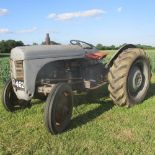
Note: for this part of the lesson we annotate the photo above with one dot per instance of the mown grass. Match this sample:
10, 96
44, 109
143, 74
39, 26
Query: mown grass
97, 127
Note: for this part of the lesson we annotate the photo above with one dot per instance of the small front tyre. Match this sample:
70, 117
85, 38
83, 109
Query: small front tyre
10, 100
58, 109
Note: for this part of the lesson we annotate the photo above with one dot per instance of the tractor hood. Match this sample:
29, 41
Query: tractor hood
49, 51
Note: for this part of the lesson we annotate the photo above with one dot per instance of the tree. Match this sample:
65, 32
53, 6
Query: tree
6, 46
99, 46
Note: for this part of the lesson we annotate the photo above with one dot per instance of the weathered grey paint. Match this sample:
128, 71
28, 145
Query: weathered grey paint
35, 57
49, 51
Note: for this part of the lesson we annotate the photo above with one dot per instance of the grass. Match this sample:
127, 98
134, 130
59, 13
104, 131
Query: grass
97, 127
4, 69
151, 53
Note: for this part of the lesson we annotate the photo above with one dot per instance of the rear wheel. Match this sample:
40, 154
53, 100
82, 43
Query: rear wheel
129, 77
58, 109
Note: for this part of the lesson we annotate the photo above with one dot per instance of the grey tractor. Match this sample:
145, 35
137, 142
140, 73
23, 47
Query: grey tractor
57, 72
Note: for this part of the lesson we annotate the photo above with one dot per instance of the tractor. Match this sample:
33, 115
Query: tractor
57, 72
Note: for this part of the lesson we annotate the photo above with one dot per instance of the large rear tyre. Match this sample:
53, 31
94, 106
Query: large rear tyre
58, 109
10, 100
129, 77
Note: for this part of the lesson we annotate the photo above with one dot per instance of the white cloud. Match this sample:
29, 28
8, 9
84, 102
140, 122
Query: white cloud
52, 15
119, 9
3, 12
4, 31
33, 29
71, 15
7, 31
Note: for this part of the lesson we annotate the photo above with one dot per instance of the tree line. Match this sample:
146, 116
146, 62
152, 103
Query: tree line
7, 45
113, 47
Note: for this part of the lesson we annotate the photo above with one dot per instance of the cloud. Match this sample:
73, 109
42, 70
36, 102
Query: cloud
7, 31
52, 15
72, 15
30, 30
3, 12
119, 9
4, 31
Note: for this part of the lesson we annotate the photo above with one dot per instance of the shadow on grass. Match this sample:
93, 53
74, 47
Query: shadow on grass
90, 115
25, 105
92, 97
105, 105
151, 91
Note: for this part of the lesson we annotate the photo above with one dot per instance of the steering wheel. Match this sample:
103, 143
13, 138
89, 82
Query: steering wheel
81, 44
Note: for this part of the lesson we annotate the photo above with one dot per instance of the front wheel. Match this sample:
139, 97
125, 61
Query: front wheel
129, 77
58, 109
10, 100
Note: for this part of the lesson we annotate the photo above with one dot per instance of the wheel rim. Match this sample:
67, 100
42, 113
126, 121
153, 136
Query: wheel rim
63, 109
138, 79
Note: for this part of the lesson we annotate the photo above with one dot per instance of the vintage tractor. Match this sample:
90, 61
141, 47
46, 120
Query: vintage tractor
59, 71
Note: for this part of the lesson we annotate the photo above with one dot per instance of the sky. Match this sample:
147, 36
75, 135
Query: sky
95, 21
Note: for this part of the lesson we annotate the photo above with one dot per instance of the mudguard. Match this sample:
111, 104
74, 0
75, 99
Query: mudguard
108, 65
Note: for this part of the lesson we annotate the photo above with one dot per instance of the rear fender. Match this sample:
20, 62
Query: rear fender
108, 65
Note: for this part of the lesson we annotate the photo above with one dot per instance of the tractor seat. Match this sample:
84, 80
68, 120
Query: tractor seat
97, 55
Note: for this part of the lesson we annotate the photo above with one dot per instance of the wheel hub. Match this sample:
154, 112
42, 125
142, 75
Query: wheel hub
135, 79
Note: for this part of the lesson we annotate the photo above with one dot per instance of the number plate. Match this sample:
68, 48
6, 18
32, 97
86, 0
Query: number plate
18, 84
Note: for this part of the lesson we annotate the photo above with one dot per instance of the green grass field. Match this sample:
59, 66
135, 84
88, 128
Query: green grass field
97, 127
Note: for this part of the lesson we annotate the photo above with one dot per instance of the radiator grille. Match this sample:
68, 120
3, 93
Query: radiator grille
19, 70
16, 68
